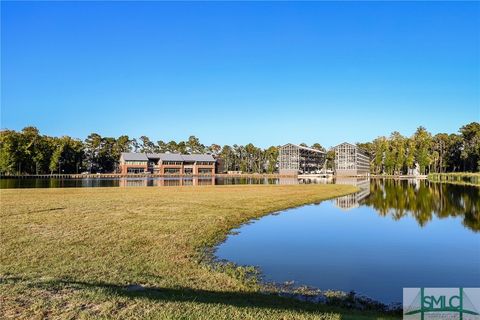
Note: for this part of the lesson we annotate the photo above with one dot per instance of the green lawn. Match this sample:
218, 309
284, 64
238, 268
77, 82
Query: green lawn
72, 253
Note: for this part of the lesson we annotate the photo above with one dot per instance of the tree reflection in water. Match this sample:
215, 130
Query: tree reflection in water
422, 199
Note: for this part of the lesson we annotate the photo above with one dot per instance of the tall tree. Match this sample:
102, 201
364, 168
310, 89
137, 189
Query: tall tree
318, 146
471, 146
330, 159
399, 150
92, 146
423, 143
67, 156
10, 152
214, 149
122, 144
172, 147
146, 146
193, 145
107, 155
440, 146
454, 153
162, 146
389, 157
271, 156
379, 148
411, 152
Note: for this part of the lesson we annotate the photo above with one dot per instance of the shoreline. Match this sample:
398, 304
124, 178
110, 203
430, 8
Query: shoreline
218, 175
300, 292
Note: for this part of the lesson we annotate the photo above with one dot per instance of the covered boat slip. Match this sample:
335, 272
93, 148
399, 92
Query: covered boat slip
295, 159
350, 160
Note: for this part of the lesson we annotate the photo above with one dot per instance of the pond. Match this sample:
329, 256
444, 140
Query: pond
392, 234
6, 183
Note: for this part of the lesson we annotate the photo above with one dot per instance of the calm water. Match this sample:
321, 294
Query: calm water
148, 182
392, 234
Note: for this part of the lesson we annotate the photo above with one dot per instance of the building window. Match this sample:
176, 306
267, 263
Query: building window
143, 163
174, 163
204, 171
172, 170
135, 170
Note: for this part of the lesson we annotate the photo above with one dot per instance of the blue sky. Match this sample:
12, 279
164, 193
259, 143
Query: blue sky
238, 72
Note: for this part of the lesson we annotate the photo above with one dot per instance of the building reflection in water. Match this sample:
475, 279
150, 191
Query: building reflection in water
210, 180
300, 180
352, 200
167, 182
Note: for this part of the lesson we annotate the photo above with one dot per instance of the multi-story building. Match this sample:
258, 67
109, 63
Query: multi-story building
350, 160
167, 163
294, 160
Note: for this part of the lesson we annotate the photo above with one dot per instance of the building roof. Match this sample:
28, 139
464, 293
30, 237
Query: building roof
197, 157
304, 148
153, 155
351, 144
168, 156
133, 156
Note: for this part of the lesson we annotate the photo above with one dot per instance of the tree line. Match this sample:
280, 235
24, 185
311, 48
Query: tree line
438, 153
29, 152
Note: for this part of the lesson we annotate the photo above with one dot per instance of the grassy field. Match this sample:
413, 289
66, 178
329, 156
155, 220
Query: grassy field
78, 253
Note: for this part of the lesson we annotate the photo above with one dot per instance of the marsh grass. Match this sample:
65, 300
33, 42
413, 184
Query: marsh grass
139, 253
462, 178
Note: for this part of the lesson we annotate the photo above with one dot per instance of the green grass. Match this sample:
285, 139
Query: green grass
72, 253
464, 178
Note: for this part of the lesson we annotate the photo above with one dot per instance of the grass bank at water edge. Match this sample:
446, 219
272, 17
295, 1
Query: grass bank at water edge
468, 178
134, 253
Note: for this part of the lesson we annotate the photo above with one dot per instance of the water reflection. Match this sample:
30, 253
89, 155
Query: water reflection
396, 234
353, 200
423, 200
167, 182
420, 199
152, 182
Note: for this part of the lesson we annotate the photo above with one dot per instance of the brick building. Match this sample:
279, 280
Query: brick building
167, 163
